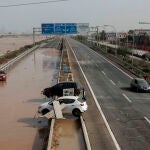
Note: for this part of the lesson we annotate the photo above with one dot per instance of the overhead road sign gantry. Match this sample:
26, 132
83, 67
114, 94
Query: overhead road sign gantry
59, 28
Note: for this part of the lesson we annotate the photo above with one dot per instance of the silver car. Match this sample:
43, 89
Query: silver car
140, 85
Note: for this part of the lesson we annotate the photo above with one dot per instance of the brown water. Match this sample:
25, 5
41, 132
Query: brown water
20, 96
68, 135
11, 43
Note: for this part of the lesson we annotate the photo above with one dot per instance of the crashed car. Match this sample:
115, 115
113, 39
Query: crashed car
58, 89
2, 75
72, 105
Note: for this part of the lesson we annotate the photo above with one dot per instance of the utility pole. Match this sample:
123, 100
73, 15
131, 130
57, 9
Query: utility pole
34, 31
115, 37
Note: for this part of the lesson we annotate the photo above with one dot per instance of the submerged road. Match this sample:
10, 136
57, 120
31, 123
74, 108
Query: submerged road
127, 112
20, 96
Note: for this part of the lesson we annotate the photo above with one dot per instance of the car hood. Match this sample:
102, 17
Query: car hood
146, 87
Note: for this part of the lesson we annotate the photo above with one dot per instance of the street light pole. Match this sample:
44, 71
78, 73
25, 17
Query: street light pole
115, 38
35, 30
98, 34
132, 47
94, 29
98, 30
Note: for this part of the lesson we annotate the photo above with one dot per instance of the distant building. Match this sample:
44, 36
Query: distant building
141, 31
111, 36
142, 39
122, 35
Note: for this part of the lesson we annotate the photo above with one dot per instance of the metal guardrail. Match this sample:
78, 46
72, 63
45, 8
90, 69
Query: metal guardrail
16, 59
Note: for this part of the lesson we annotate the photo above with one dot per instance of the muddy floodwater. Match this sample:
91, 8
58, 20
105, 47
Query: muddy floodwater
68, 135
20, 95
14, 42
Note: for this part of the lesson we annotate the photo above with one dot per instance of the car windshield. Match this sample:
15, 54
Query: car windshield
81, 100
142, 82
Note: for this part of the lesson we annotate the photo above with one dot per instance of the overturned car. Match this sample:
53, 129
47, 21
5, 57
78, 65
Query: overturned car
58, 89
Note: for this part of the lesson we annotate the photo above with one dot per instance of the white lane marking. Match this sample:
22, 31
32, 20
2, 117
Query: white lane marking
97, 104
112, 64
104, 73
147, 119
97, 65
127, 98
112, 82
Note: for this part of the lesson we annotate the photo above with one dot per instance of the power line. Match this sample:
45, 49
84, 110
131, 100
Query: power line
33, 3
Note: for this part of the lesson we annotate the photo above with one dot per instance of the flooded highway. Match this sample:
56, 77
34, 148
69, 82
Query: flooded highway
20, 96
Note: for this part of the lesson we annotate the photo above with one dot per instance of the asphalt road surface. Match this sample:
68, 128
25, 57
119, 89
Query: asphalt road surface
127, 112
20, 96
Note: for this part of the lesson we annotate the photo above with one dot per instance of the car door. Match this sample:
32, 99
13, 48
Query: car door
136, 84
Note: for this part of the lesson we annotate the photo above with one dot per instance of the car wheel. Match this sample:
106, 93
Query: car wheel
45, 111
76, 112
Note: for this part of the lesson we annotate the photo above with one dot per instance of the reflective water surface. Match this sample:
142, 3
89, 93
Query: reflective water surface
20, 96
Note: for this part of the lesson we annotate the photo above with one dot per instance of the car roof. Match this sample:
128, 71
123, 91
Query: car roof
139, 79
68, 97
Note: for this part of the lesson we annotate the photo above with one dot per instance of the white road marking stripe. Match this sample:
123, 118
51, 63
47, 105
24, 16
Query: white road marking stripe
147, 119
104, 73
127, 98
97, 65
112, 64
112, 82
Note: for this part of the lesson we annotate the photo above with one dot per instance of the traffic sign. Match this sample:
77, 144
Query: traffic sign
71, 28
59, 28
47, 28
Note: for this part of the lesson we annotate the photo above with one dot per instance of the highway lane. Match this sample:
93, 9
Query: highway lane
124, 110
21, 95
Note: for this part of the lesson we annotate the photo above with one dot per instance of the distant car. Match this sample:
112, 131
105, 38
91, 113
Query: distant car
57, 90
72, 105
140, 85
2, 75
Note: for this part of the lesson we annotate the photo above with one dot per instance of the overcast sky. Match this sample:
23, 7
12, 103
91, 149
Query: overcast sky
123, 14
